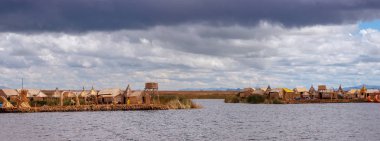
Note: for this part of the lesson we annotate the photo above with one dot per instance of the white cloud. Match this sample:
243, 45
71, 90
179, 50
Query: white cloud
193, 56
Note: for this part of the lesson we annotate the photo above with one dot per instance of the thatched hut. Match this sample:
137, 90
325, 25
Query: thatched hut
325, 93
90, 97
9, 94
260, 91
112, 95
372, 92
246, 92
313, 93
288, 94
363, 92
135, 97
276, 93
351, 94
267, 91
301, 93
328, 94
36, 95
56, 93
68, 94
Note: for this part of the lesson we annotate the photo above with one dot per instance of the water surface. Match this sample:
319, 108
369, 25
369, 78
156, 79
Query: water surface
216, 121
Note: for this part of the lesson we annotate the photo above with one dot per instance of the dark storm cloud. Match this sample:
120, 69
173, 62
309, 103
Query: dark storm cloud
88, 15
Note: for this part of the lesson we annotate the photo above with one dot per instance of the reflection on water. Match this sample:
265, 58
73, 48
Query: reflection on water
216, 121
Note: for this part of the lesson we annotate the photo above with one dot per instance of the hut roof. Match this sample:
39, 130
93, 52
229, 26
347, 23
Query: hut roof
263, 88
363, 89
340, 88
249, 89
56, 94
259, 91
34, 93
353, 91
136, 93
311, 89
68, 94
300, 89
84, 93
111, 92
322, 87
92, 92
276, 90
370, 91
287, 90
9, 92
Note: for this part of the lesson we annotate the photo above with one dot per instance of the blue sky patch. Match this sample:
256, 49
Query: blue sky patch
370, 24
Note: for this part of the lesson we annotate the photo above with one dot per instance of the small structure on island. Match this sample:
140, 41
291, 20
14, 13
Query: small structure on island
313, 93
135, 97
151, 89
372, 92
301, 92
267, 91
351, 94
36, 95
260, 91
288, 94
246, 92
325, 93
10, 94
108, 96
56, 94
67, 95
92, 96
276, 93
322, 90
363, 92
5, 103
340, 92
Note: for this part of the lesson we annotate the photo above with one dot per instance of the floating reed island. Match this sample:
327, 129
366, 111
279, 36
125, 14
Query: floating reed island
32, 100
302, 95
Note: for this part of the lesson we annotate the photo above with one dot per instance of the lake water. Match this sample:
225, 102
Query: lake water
215, 121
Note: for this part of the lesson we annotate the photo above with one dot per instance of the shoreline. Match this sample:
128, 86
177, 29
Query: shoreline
322, 101
81, 108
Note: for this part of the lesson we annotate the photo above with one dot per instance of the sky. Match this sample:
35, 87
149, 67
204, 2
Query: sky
189, 44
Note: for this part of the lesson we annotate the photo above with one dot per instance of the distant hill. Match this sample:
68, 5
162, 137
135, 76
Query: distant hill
211, 89
360, 86
3, 87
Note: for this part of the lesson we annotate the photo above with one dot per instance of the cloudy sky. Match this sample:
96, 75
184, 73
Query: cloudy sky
189, 43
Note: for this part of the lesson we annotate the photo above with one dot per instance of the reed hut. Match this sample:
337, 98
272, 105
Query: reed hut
351, 94
135, 97
56, 94
10, 94
260, 91
91, 96
372, 92
36, 95
246, 92
108, 96
276, 93
363, 92
313, 93
267, 91
288, 94
340, 92
301, 93
325, 93
68, 94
